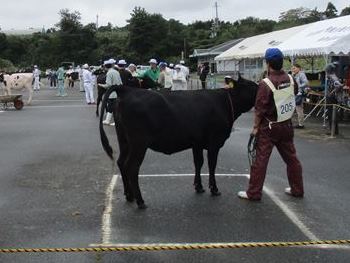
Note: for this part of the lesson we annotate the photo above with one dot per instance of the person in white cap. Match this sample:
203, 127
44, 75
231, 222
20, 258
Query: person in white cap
229, 83
179, 79
125, 75
36, 76
88, 85
152, 73
132, 70
112, 78
166, 76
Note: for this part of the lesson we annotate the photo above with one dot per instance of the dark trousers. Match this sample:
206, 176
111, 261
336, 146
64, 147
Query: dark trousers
204, 84
111, 105
332, 100
52, 82
280, 135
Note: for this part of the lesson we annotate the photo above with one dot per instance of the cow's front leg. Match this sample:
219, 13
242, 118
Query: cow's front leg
198, 163
212, 161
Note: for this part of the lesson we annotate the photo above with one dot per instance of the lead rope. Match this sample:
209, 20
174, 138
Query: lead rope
252, 149
231, 104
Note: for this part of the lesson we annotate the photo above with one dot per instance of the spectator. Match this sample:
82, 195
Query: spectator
204, 71
179, 79
303, 84
334, 91
53, 79
36, 76
152, 73
132, 70
81, 81
88, 85
229, 84
165, 77
112, 78
125, 75
60, 78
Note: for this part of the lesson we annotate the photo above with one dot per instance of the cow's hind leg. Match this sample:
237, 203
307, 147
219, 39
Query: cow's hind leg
132, 167
123, 154
212, 161
198, 163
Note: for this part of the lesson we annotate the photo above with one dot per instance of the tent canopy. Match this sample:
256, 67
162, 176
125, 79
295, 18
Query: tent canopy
255, 47
327, 37
320, 38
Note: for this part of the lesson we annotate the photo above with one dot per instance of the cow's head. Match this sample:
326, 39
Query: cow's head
243, 95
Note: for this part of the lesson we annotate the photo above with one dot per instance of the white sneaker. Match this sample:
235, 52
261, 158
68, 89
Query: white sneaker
288, 191
111, 124
105, 122
243, 195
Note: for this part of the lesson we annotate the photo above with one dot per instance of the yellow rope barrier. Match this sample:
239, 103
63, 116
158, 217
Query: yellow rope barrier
168, 247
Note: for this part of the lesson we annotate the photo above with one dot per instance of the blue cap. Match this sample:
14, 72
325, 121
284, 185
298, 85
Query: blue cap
273, 54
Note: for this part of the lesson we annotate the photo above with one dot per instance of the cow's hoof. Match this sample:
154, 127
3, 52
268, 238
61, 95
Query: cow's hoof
142, 206
129, 198
200, 190
215, 192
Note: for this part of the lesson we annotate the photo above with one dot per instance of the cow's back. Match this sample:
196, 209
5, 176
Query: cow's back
19, 80
175, 121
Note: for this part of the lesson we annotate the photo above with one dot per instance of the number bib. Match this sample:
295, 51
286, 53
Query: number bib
284, 99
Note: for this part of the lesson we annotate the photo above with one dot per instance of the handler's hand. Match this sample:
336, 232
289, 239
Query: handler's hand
254, 131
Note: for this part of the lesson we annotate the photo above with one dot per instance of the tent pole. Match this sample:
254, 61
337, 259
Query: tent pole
325, 93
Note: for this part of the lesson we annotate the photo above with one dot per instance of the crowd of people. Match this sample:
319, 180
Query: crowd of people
172, 77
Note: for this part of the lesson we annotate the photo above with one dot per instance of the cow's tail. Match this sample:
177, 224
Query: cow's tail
104, 140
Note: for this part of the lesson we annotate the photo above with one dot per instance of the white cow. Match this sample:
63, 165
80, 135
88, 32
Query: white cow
18, 81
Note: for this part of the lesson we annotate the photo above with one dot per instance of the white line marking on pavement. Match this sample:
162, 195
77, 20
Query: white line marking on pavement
58, 100
290, 214
182, 175
1, 111
107, 213
59, 106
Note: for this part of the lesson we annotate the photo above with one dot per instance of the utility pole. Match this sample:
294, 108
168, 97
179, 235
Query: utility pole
216, 11
215, 26
97, 22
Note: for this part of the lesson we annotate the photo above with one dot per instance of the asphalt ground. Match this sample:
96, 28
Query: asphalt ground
58, 189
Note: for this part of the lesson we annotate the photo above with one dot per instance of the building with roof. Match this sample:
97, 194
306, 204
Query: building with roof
208, 55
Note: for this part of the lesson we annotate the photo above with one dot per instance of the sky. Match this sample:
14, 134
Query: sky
23, 14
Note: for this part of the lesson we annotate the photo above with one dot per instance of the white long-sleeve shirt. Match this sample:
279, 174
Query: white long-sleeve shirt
179, 81
87, 77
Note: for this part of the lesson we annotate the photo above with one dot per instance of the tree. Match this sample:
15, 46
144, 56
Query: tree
3, 42
298, 16
331, 11
345, 11
70, 21
146, 34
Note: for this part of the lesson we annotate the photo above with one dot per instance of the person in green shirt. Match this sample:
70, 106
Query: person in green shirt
152, 73
60, 77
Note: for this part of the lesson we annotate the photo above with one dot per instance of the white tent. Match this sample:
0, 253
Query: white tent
327, 37
255, 47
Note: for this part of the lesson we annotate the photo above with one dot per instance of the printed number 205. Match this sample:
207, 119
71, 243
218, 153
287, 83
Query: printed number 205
286, 108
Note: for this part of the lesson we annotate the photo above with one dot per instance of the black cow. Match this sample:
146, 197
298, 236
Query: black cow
171, 122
